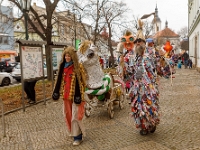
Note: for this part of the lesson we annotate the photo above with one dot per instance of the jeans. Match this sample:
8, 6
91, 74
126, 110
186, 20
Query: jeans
185, 63
78, 138
29, 88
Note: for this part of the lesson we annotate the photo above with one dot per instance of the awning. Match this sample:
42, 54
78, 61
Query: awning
8, 52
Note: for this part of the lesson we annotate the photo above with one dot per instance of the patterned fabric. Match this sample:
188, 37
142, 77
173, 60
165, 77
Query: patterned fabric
144, 94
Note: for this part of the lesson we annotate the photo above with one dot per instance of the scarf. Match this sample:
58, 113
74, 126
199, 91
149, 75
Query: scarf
67, 64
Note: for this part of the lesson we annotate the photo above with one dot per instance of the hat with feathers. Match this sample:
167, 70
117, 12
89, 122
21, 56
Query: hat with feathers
140, 34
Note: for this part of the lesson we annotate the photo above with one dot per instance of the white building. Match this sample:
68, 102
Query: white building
193, 31
156, 22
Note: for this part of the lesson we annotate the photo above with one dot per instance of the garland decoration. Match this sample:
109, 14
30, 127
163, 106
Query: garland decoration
102, 90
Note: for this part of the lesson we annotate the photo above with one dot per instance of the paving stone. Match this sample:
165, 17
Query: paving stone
42, 127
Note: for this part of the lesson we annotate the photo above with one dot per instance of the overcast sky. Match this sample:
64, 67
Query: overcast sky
174, 11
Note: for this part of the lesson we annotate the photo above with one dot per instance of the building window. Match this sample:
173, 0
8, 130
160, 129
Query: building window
5, 40
1, 40
157, 29
4, 19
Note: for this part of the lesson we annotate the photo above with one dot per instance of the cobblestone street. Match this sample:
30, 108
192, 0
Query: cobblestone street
42, 127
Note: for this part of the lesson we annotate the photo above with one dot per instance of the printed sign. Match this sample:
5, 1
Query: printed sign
56, 57
32, 62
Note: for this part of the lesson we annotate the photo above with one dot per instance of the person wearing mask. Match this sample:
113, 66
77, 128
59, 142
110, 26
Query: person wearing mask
144, 94
71, 78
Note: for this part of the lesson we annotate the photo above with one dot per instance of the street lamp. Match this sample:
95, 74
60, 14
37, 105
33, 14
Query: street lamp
74, 29
25, 5
74, 21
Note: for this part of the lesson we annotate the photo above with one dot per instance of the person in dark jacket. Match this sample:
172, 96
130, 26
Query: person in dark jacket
29, 88
185, 59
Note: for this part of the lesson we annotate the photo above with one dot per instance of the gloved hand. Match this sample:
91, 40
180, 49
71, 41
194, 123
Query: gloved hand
55, 96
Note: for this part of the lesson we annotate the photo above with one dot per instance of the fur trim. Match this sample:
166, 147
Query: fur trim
83, 75
84, 46
127, 33
140, 23
72, 87
76, 73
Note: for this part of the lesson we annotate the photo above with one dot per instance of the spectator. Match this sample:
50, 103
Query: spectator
101, 61
185, 59
189, 63
29, 88
179, 62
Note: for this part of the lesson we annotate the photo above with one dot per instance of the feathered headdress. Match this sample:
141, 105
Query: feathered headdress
140, 34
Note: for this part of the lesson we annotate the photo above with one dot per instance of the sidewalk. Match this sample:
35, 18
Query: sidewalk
42, 127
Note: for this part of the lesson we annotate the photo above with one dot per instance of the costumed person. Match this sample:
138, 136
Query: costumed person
150, 52
144, 94
168, 63
128, 42
70, 77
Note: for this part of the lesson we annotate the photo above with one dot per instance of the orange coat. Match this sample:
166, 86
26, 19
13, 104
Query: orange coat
67, 77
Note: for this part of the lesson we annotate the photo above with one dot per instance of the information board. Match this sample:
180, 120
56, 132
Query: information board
32, 62
56, 57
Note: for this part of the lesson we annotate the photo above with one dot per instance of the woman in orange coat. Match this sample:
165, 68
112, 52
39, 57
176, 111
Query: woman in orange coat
73, 93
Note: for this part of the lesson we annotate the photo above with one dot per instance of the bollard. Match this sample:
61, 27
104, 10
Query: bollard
3, 119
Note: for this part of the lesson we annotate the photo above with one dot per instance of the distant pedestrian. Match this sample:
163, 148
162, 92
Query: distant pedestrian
190, 63
179, 63
185, 59
101, 61
29, 88
73, 93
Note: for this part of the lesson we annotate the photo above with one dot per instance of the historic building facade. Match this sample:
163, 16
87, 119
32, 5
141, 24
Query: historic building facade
6, 34
167, 34
193, 31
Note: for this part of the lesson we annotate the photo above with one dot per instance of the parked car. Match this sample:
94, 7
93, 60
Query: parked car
5, 78
16, 73
6, 66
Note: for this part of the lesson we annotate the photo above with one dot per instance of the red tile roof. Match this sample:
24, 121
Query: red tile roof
167, 32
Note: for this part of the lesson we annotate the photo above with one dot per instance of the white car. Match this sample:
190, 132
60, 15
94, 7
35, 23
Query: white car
16, 73
5, 78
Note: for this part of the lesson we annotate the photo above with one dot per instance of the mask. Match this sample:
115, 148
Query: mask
128, 42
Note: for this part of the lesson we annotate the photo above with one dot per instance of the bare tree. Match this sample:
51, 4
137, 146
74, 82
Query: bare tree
46, 26
6, 28
112, 13
183, 32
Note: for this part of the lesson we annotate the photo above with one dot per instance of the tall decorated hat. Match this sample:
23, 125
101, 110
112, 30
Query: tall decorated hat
140, 36
167, 47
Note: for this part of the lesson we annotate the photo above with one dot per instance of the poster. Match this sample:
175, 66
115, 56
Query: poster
56, 57
32, 62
